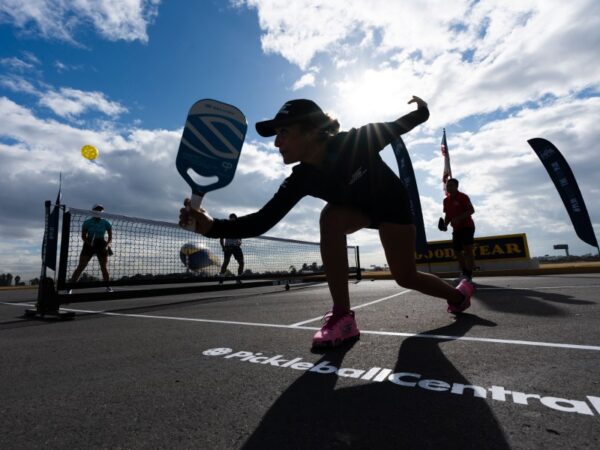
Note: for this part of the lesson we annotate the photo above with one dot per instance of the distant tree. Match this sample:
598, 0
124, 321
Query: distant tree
6, 279
85, 278
18, 280
35, 281
293, 269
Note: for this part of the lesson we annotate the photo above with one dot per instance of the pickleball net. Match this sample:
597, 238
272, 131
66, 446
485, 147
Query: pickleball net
149, 252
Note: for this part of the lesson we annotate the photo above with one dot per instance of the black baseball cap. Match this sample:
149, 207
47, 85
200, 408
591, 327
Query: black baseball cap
97, 207
291, 112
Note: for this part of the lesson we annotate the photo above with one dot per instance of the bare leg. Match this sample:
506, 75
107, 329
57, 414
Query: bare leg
240, 261
83, 262
226, 258
469, 259
460, 256
399, 245
335, 223
104, 268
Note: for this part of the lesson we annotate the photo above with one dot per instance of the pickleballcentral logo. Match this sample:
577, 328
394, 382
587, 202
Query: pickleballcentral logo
589, 407
217, 351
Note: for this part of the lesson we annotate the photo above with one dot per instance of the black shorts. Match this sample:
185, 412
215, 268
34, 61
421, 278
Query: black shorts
390, 209
98, 247
462, 237
234, 250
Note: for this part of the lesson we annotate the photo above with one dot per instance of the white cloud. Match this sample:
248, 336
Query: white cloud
465, 58
17, 64
308, 79
300, 30
69, 103
64, 102
57, 19
18, 84
263, 160
62, 67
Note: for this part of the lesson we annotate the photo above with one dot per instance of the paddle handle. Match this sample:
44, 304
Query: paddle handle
195, 203
196, 200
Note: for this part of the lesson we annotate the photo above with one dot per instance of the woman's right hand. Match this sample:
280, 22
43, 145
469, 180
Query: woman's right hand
201, 220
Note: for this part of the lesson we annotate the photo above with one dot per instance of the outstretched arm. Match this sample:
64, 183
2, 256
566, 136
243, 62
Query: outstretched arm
255, 224
376, 136
409, 121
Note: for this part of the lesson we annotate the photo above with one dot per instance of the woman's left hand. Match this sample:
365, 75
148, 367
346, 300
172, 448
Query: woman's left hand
419, 101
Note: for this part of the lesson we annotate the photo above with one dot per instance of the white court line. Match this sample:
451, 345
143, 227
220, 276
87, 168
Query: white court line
314, 319
377, 333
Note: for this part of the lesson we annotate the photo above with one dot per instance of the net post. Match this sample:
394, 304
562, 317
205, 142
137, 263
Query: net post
42, 297
358, 269
64, 251
46, 295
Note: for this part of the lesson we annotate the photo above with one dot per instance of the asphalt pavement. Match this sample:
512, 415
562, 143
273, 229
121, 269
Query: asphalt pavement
234, 369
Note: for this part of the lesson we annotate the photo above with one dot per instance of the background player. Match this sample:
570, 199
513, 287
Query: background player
232, 246
458, 211
93, 233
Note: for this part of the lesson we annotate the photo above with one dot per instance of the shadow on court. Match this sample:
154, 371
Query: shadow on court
526, 301
312, 413
22, 321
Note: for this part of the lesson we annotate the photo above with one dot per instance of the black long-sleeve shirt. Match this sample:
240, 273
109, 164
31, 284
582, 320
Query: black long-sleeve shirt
353, 174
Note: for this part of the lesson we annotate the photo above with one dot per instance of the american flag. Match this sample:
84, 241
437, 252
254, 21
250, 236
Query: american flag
447, 171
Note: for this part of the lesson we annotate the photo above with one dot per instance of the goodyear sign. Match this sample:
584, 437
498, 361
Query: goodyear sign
506, 247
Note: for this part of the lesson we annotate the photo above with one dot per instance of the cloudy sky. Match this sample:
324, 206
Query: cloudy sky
122, 75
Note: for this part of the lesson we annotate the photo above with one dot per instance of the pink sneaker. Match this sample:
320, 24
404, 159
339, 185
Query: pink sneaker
467, 289
336, 330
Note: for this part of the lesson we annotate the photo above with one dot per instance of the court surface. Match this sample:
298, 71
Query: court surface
234, 369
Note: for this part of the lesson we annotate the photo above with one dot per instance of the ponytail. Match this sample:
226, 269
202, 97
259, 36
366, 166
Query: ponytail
326, 125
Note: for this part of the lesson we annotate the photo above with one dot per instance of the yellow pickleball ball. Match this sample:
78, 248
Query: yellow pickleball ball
89, 152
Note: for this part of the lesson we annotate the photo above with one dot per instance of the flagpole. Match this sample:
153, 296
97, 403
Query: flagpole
59, 188
447, 173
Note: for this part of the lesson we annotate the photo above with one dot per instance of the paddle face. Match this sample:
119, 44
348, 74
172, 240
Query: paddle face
442, 225
210, 145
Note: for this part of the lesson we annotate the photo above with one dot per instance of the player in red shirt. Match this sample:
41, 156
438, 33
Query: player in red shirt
458, 210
